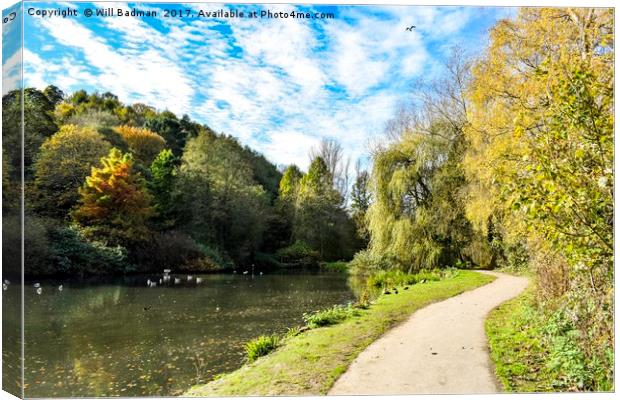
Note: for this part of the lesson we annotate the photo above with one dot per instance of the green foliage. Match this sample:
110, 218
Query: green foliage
168, 126
266, 262
179, 251
538, 350
64, 161
299, 253
394, 277
541, 163
38, 125
366, 261
360, 202
320, 219
161, 185
330, 316
289, 184
335, 266
227, 207
261, 346
72, 254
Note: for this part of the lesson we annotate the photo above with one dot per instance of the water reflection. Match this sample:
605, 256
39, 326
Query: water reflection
124, 338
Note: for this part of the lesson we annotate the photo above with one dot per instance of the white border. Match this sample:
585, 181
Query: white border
485, 3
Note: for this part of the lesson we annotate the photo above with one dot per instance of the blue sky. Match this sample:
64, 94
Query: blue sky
279, 85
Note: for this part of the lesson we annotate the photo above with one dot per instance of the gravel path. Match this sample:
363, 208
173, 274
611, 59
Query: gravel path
440, 349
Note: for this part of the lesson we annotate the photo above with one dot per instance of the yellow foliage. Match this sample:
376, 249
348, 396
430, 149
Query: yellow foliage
143, 143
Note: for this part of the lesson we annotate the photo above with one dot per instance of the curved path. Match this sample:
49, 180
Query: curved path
440, 349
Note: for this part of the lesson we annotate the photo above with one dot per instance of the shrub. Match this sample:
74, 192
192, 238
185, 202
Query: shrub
396, 277
367, 262
330, 316
215, 258
335, 266
298, 253
266, 261
73, 253
261, 346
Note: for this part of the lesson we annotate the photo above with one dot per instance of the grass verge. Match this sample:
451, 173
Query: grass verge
515, 341
310, 363
537, 351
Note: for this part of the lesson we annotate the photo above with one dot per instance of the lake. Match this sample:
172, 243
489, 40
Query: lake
122, 338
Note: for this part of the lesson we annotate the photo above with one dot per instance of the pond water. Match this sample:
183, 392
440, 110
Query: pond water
122, 338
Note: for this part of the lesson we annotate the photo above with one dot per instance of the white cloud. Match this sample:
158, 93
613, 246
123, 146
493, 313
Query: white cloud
133, 76
11, 72
278, 85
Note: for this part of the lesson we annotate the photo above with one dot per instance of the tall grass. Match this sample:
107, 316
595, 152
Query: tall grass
261, 346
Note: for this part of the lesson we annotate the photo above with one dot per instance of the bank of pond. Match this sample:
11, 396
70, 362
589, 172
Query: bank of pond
160, 334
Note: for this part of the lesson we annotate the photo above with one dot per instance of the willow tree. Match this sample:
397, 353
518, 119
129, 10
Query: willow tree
541, 154
417, 217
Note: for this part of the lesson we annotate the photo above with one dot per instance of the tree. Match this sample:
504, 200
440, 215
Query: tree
114, 203
360, 202
289, 184
330, 151
228, 208
320, 219
38, 125
417, 219
162, 184
541, 156
54, 94
167, 125
143, 144
64, 161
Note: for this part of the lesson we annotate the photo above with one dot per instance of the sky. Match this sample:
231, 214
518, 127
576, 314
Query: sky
279, 85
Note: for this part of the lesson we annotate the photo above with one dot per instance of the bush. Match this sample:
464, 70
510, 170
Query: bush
214, 259
261, 346
395, 277
266, 262
330, 316
73, 254
298, 253
178, 251
367, 262
335, 266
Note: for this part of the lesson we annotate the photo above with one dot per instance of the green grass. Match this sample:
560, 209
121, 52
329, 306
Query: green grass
515, 340
310, 362
330, 316
335, 266
261, 346
536, 351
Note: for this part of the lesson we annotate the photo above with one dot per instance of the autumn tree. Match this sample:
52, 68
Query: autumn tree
143, 144
64, 161
114, 204
541, 156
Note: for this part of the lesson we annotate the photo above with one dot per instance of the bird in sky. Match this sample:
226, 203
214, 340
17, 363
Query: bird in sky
411, 28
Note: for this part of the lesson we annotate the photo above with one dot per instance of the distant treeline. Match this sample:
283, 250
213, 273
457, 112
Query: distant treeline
113, 188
